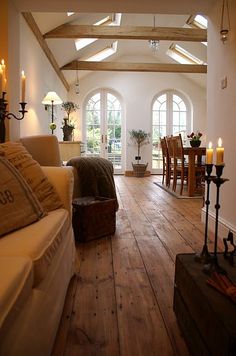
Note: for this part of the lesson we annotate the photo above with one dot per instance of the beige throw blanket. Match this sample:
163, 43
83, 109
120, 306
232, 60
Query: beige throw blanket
95, 177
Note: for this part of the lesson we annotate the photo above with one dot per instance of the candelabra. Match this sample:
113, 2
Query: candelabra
205, 256
211, 260
4, 114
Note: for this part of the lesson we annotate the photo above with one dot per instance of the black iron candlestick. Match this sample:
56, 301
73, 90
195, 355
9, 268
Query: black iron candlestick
213, 264
204, 256
4, 114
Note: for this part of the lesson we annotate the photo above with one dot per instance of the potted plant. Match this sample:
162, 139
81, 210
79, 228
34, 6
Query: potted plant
68, 126
140, 138
195, 139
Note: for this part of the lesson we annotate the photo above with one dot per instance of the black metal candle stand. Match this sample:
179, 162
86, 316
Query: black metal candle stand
4, 114
210, 260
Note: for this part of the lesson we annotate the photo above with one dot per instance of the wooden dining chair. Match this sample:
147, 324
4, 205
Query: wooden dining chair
180, 166
165, 162
169, 143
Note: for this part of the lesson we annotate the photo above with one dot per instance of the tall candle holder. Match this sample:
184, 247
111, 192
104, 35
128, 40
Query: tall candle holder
4, 114
204, 256
212, 265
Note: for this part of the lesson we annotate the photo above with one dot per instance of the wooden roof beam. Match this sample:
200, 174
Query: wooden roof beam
34, 27
135, 67
128, 33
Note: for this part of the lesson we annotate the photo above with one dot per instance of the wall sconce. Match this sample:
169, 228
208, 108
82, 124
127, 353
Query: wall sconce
4, 113
52, 99
225, 22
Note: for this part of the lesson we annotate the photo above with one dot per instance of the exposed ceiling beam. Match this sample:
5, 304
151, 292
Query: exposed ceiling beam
135, 67
128, 33
34, 27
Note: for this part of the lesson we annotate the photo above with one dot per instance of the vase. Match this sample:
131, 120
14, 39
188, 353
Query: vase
67, 131
195, 143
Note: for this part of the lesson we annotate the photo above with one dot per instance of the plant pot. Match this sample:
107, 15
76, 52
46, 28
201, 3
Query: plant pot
195, 143
139, 169
67, 131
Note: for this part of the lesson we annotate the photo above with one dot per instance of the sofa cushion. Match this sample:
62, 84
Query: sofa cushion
16, 153
18, 204
39, 241
16, 279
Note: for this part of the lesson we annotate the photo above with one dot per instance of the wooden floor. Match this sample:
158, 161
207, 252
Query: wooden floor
121, 302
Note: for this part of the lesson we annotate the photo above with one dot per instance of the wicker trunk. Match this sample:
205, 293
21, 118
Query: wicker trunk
93, 217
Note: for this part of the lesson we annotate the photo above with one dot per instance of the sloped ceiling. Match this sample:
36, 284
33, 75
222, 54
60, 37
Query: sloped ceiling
128, 6
48, 15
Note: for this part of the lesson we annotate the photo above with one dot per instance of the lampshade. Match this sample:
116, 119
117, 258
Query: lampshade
52, 97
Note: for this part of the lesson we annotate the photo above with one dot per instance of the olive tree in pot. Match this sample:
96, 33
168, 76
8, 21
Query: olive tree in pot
68, 126
140, 138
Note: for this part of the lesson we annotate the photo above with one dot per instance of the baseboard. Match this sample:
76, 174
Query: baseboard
131, 174
223, 225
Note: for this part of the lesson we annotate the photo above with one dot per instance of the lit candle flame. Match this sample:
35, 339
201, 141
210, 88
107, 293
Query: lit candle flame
220, 142
210, 145
2, 62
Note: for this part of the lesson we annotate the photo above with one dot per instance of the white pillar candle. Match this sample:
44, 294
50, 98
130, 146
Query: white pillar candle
209, 154
23, 86
219, 153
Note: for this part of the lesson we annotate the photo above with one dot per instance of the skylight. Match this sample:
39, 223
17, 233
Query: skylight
198, 21
182, 56
106, 52
115, 19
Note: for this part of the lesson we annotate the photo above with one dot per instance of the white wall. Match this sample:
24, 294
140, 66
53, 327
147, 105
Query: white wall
41, 78
221, 120
138, 91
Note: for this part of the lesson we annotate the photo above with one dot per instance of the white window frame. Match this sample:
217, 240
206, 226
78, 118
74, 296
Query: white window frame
169, 115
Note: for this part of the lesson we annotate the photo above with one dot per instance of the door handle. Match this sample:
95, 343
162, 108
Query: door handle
102, 138
105, 138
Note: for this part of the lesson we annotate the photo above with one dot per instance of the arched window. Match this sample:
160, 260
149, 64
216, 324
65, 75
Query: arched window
171, 115
103, 120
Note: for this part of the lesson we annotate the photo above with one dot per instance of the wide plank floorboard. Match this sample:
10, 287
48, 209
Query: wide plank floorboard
121, 302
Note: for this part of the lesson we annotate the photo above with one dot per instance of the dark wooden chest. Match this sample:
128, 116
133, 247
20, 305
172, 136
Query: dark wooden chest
206, 317
93, 217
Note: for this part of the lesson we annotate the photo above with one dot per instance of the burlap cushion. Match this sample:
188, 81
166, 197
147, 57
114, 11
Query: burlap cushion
18, 204
17, 154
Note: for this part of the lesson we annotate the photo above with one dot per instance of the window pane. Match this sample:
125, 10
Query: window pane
155, 117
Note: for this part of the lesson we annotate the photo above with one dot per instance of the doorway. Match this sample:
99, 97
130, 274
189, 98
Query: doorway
103, 118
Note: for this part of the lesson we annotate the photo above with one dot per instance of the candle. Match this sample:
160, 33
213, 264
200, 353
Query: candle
209, 154
23, 86
3, 75
4, 86
219, 153
1, 80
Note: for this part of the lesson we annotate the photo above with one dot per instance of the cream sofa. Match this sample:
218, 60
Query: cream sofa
36, 265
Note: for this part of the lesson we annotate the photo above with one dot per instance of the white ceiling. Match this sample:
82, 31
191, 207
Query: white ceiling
128, 6
127, 51
50, 14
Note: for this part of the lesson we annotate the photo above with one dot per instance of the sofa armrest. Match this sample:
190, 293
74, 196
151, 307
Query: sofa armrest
62, 179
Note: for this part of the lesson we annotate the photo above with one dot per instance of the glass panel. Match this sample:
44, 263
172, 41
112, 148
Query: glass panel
175, 118
163, 118
155, 117
183, 118
156, 105
182, 106
114, 130
175, 106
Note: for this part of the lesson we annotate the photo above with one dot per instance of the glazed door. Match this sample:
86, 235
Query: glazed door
104, 128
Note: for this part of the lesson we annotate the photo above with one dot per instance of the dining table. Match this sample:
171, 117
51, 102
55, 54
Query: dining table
195, 155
